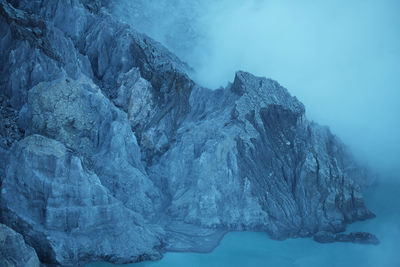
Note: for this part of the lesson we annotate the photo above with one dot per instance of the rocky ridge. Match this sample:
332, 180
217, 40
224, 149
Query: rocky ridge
113, 153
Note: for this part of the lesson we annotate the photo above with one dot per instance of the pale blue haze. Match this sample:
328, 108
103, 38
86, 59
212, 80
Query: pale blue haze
340, 58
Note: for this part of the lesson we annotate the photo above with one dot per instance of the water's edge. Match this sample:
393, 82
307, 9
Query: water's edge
257, 249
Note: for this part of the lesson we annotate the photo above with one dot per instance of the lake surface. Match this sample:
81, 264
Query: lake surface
256, 249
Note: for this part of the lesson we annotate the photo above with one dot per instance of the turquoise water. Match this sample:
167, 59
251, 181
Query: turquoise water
256, 249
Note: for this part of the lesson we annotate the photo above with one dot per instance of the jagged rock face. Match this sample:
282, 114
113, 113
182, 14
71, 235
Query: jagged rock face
114, 148
246, 158
78, 42
65, 212
13, 250
166, 91
76, 113
33, 51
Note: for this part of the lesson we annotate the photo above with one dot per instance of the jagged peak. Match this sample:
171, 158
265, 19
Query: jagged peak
265, 91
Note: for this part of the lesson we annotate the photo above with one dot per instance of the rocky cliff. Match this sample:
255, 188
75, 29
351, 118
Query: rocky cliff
109, 151
14, 251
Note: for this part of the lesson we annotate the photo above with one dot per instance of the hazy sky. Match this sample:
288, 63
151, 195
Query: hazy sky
340, 58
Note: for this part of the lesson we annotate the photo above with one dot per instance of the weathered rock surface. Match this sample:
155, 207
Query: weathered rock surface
13, 250
76, 113
9, 130
246, 158
65, 212
117, 155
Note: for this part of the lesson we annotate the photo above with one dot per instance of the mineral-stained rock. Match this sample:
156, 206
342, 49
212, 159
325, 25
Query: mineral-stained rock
65, 212
13, 250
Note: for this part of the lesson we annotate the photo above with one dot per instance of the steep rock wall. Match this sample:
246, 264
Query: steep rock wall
111, 152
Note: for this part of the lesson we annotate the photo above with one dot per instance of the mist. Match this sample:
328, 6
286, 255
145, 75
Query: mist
340, 58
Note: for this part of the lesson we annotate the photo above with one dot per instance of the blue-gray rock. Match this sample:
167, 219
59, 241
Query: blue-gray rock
353, 237
9, 130
358, 237
117, 155
76, 113
65, 212
13, 250
247, 158
324, 237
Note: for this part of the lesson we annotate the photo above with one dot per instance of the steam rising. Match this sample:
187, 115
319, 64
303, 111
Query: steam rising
340, 58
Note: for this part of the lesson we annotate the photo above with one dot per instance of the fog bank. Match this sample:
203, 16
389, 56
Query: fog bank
340, 58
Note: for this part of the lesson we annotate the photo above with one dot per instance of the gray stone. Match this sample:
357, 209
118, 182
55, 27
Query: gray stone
247, 158
358, 237
9, 129
34, 50
13, 250
64, 211
124, 156
76, 113
353, 237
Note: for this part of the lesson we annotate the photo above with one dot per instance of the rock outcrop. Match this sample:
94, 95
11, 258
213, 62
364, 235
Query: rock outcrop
111, 152
65, 212
246, 158
358, 237
353, 237
76, 113
13, 250
324, 237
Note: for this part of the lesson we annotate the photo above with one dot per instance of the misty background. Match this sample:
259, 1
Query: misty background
340, 58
